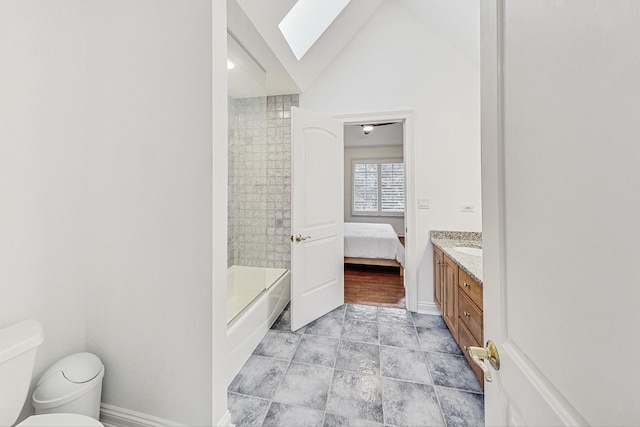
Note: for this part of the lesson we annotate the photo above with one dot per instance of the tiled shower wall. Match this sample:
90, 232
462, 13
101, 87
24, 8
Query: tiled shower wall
260, 181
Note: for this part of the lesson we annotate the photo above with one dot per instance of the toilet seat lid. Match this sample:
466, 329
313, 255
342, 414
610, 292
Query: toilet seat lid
60, 420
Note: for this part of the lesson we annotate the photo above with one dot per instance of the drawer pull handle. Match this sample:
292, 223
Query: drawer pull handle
466, 285
467, 314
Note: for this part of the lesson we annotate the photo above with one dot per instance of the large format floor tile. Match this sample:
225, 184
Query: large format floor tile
404, 364
247, 410
359, 357
327, 326
358, 330
356, 395
367, 313
316, 350
394, 315
333, 420
283, 415
410, 404
452, 371
259, 377
357, 366
305, 385
437, 340
337, 312
278, 344
428, 321
461, 408
397, 335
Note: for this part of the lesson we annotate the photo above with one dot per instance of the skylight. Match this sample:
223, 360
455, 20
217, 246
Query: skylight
307, 20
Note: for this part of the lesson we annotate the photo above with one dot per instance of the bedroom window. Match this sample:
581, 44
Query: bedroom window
378, 187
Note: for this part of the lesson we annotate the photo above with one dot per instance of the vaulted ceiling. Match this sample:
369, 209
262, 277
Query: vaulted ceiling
304, 72
455, 21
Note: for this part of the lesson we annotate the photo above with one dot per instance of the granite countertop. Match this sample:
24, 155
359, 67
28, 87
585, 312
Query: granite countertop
447, 240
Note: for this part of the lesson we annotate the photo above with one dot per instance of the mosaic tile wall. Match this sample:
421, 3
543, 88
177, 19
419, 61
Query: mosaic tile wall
260, 181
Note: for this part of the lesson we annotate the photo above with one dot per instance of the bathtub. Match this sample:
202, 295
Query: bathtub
255, 298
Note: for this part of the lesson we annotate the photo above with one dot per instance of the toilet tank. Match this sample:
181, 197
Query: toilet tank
18, 345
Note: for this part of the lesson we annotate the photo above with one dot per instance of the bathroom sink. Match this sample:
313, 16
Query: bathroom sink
469, 251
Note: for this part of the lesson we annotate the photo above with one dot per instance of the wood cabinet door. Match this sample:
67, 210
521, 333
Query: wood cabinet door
450, 294
437, 277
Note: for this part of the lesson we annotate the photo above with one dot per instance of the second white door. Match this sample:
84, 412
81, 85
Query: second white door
317, 248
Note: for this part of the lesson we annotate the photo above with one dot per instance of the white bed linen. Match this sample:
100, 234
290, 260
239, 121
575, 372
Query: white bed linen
378, 241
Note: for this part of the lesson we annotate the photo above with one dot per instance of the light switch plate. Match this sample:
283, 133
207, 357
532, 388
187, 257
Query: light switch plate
423, 203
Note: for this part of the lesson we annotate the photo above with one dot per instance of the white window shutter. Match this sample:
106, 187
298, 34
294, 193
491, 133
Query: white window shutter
392, 187
378, 187
365, 187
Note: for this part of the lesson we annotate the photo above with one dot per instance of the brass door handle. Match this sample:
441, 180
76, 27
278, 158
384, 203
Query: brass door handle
299, 238
480, 354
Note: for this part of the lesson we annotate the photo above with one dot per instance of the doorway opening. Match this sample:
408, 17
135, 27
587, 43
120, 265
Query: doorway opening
374, 212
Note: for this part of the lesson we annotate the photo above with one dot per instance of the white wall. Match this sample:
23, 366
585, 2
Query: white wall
396, 63
351, 154
219, 354
149, 301
43, 166
106, 192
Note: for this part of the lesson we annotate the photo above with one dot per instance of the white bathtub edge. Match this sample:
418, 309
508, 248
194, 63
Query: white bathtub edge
247, 330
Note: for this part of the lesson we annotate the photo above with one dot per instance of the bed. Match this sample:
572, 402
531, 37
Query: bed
372, 244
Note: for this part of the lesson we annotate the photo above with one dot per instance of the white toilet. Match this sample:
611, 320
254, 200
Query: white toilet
18, 345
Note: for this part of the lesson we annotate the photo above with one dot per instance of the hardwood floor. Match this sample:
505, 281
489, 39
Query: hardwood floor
372, 285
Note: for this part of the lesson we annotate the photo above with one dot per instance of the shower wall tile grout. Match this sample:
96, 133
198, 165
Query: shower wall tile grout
259, 210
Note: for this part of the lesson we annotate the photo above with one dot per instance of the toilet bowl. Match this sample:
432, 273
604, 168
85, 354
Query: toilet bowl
18, 345
60, 420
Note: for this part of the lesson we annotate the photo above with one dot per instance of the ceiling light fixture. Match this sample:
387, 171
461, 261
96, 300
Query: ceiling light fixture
366, 129
230, 65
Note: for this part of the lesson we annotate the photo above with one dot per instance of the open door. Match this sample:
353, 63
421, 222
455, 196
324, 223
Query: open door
317, 243
560, 156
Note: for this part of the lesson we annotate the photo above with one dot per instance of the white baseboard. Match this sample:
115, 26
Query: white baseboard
428, 308
225, 421
113, 416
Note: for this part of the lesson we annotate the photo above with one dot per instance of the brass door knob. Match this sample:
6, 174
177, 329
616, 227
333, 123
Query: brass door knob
299, 237
480, 354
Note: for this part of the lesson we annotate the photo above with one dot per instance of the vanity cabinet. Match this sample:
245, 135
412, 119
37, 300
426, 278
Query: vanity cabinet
459, 299
471, 288
465, 340
438, 259
450, 294
470, 318
445, 287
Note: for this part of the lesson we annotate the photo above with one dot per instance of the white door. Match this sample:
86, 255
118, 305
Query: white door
317, 247
561, 210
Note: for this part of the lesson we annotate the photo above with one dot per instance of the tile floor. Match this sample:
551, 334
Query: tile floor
358, 366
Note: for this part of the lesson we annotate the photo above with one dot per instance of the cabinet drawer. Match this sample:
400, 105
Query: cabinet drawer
465, 340
470, 287
470, 315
